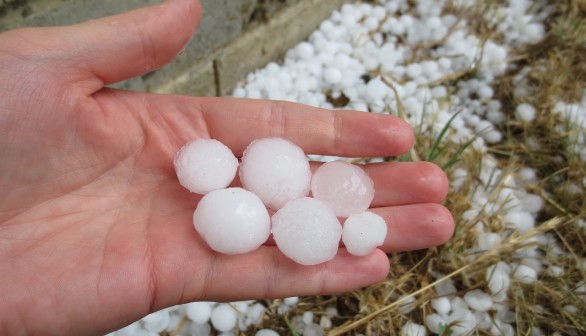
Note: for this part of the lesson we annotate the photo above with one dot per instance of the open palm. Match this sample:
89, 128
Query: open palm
95, 230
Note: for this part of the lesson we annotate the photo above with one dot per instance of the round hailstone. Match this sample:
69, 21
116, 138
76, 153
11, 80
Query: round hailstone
525, 112
478, 300
199, 312
333, 75
232, 220
362, 233
266, 332
156, 322
276, 170
344, 187
307, 231
224, 317
204, 165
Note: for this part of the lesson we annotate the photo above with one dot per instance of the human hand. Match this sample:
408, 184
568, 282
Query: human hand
95, 230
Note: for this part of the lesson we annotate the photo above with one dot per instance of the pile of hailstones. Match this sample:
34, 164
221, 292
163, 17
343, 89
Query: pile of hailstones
276, 174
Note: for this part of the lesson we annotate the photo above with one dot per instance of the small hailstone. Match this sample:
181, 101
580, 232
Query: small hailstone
266, 332
333, 75
434, 323
255, 312
325, 322
157, 321
307, 317
331, 312
478, 300
488, 240
376, 89
199, 312
555, 271
525, 113
445, 287
441, 305
498, 278
344, 187
291, 301
232, 220
407, 305
521, 220
414, 70
224, 317
413, 329
276, 170
129, 330
204, 165
307, 231
525, 274
363, 232
312, 330
304, 50
463, 322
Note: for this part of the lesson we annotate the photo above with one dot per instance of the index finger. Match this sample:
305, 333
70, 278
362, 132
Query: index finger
236, 122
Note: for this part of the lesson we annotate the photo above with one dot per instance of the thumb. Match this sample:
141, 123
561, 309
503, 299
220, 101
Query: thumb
118, 47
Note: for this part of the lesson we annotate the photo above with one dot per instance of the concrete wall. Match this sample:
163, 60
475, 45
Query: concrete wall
234, 38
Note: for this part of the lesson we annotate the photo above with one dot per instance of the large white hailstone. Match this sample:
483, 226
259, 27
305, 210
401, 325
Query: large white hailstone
333, 75
157, 321
232, 220
413, 329
199, 312
478, 300
276, 170
525, 274
224, 317
204, 165
344, 187
376, 89
307, 231
266, 332
363, 232
525, 112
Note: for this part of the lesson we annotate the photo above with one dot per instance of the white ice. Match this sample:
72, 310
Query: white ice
204, 165
363, 232
224, 317
232, 220
199, 312
344, 187
276, 170
307, 231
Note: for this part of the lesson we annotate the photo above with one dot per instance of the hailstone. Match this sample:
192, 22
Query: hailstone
344, 187
276, 170
224, 317
362, 233
307, 231
232, 220
204, 165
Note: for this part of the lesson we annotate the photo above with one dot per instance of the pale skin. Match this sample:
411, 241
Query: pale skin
95, 230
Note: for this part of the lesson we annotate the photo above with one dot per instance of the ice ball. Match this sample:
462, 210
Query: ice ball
224, 317
204, 165
362, 233
344, 187
232, 220
276, 170
307, 231
199, 312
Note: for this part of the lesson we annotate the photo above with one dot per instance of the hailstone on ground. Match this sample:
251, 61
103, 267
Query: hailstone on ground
204, 165
307, 231
344, 187
232, 220
276, 170
362, 233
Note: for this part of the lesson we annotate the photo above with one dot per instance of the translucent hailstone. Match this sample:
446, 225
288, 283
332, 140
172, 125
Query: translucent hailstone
344, 187
204, 165
199, 312
307, 231
157, 321
413, 329
224, 317
525, 274
266, 332
276, 170
525, 113
232, 220
441, 305
363, 232
478, 300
